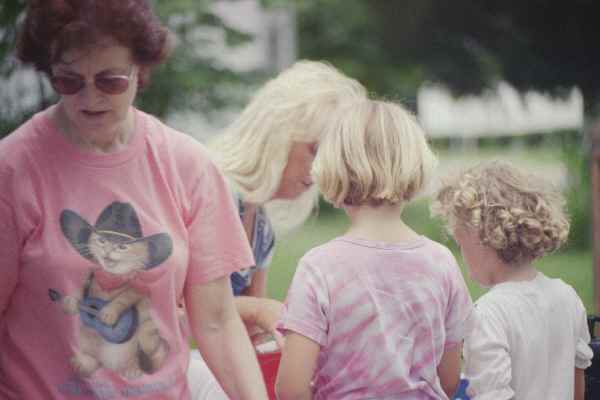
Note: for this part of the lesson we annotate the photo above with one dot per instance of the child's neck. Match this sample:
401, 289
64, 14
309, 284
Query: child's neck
381, 223
508, 273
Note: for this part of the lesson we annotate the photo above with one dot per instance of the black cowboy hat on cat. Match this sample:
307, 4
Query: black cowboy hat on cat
120, 222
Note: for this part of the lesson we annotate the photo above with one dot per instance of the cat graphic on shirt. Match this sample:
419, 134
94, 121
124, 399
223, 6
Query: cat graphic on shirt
116, 326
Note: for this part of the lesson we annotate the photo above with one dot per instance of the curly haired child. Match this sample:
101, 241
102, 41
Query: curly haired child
379, 312
529, 339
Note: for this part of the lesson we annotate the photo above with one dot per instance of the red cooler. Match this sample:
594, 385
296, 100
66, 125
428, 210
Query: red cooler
269, 355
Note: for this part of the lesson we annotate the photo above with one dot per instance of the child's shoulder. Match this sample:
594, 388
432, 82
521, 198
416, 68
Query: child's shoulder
437, 249
562, 291
333, 246
345, 243
509, 297
344, 248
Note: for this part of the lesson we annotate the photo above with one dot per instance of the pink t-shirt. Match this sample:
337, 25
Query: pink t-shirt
382, 313
97, 249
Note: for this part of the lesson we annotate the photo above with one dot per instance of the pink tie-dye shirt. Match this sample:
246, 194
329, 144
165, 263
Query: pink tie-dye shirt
383, 315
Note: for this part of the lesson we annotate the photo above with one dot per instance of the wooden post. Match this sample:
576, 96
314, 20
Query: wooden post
595, 188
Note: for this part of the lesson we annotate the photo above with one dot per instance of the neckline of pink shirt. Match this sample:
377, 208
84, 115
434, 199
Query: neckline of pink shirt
407, 245
55, 141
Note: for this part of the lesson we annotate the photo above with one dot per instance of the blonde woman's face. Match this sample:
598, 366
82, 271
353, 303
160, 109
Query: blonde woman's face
296, 178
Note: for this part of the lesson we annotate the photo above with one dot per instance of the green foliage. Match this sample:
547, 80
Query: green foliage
351, 36
11, 113
10, 10
395, 46
193, 78
576, 158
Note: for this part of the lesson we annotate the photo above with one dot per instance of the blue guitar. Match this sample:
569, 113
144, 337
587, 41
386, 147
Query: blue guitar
89, 311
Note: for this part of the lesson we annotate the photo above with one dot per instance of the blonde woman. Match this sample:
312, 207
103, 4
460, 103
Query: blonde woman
378, 312
530, 338
266, 155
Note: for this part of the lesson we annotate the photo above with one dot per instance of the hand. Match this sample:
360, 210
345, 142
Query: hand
268, 312
70, 305
260, 315
108, 315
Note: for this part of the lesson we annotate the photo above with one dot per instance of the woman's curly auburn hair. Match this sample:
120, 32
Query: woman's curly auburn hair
52, 27
522, 217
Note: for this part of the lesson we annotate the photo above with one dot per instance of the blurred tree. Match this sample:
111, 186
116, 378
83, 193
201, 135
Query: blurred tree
467, 45
10, 10
11, 114
193, 77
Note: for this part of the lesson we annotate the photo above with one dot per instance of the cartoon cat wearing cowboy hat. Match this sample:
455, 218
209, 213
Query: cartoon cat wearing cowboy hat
117, 330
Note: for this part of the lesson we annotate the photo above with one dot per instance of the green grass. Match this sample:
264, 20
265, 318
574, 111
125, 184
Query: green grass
574, 267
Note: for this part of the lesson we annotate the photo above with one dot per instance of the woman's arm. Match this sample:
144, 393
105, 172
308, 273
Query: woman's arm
260, 312
258, 286
222, 339
297, 367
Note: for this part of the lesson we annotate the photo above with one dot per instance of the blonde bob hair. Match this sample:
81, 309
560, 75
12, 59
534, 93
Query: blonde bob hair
374, 152
293, 107
521, 216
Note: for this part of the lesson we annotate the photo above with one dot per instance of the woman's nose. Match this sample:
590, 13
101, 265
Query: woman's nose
90, 92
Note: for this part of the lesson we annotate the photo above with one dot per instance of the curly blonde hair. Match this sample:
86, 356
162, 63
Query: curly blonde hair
521, 216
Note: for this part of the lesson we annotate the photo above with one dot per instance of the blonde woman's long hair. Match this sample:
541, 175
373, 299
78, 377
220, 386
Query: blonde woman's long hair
294, 106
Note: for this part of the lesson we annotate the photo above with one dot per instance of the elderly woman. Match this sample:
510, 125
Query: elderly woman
109, 219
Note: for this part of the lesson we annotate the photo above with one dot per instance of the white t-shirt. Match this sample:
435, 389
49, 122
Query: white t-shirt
526, 341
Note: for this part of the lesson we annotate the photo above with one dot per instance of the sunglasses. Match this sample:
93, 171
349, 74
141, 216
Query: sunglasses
106, 83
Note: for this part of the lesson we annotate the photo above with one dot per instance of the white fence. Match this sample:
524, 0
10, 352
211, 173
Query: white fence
500, 112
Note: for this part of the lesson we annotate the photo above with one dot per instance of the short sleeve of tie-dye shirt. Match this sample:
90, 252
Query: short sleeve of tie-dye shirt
308, 304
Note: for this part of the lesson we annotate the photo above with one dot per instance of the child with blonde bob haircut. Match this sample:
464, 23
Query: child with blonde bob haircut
529, 338
378, 312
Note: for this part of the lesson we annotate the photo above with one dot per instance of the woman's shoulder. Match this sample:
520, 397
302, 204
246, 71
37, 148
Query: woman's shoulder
184, 149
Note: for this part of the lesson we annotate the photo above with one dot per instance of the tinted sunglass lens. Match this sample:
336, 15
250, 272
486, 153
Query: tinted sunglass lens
112, 84
66, 85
